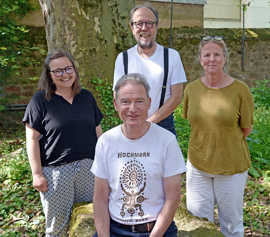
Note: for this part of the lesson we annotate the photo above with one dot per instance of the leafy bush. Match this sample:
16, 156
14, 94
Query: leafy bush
20, 209
182, 130
104, 94
261, 93
11, 35
259, 139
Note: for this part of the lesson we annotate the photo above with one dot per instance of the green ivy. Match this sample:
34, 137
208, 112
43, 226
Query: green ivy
261, 93
104, 95
257, 140
12, 35
182, 130
17, 46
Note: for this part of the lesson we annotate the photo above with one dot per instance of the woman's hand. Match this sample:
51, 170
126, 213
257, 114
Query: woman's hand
246, 131
33, 151
40, 183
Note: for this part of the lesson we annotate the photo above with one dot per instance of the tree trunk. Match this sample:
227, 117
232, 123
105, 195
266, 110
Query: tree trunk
94, 31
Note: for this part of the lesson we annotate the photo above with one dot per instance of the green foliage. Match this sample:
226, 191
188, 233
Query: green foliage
246, 4
261, 93
257, 142
256, 206
20, 209
259, 138
15, 42
182, 130
18, 7
11, 34
104, 94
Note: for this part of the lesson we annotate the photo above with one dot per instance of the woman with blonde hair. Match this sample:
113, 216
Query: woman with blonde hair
220, 111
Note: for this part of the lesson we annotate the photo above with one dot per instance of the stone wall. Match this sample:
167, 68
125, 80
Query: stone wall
183, 14
257, 59
256, 54
190, 15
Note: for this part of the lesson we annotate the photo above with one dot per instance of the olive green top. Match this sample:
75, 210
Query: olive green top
217, 144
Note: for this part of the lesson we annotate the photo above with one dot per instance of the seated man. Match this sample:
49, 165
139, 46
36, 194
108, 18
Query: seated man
137, 169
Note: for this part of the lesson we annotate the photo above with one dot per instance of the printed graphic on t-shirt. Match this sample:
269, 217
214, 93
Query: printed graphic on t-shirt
133, 183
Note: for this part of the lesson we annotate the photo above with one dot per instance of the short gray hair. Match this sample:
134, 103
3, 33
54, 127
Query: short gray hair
136, 78
153, 10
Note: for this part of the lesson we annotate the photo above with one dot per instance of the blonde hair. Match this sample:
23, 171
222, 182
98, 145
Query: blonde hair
221, 43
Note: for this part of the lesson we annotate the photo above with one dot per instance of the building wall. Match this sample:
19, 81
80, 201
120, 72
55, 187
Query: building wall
214, 14
256, 55
229, 14
185, 40
184, 14
258, 14
222, 14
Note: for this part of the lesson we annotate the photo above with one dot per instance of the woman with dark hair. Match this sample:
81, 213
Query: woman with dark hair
62, 126
220, 111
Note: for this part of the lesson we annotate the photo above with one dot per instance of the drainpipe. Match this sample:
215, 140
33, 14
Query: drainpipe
243, 41
171, 32
245, 4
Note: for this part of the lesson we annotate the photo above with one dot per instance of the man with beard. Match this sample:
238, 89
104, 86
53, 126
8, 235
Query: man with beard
162, 67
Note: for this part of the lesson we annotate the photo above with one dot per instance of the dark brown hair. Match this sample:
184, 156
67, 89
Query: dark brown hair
45, 81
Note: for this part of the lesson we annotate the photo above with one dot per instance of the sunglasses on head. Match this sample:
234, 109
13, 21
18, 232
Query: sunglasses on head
207, 38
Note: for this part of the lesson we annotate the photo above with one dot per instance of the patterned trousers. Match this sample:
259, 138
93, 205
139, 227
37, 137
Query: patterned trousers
67, 185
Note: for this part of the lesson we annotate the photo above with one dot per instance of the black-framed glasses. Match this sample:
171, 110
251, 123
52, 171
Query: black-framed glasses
59, 72
217, 38
139, 24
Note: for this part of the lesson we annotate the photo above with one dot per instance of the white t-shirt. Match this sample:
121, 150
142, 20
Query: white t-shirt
153, 69
135, 170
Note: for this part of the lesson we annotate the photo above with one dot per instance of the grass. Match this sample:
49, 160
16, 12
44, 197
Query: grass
20, 208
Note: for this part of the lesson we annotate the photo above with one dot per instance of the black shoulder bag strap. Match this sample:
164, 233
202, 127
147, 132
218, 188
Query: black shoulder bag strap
166, 63
125, 61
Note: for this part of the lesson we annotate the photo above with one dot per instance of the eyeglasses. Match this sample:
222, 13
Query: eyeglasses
59, 72
139, 24
208, 38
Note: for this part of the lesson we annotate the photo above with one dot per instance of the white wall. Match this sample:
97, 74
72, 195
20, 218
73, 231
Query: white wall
222, 14
258, 14
228, 14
